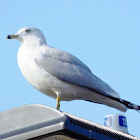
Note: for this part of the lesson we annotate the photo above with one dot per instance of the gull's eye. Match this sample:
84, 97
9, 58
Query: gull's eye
27, 31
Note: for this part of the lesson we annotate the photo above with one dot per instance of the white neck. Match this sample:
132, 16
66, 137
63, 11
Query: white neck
32, 41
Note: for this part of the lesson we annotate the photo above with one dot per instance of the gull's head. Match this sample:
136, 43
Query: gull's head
28, 34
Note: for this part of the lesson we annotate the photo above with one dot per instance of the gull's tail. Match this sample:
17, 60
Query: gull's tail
128, 104
118, 103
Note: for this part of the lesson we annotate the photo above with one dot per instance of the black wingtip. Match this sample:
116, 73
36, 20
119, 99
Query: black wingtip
129, 105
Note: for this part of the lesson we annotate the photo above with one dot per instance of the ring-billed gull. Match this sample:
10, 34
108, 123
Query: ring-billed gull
61, 75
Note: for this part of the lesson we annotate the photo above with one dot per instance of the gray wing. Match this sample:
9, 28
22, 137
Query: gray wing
70, 69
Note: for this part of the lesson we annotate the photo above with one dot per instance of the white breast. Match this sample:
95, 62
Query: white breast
39, 78
27, 65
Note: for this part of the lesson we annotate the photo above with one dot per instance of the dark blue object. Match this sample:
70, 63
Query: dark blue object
9, 37
122, 121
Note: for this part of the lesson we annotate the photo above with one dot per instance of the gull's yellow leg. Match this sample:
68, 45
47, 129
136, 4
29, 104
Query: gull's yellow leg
58, 102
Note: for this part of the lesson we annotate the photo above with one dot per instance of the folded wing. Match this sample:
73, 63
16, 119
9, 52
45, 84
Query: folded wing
70, 69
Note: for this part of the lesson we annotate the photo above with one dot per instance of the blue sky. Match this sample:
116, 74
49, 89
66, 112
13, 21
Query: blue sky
105, 35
